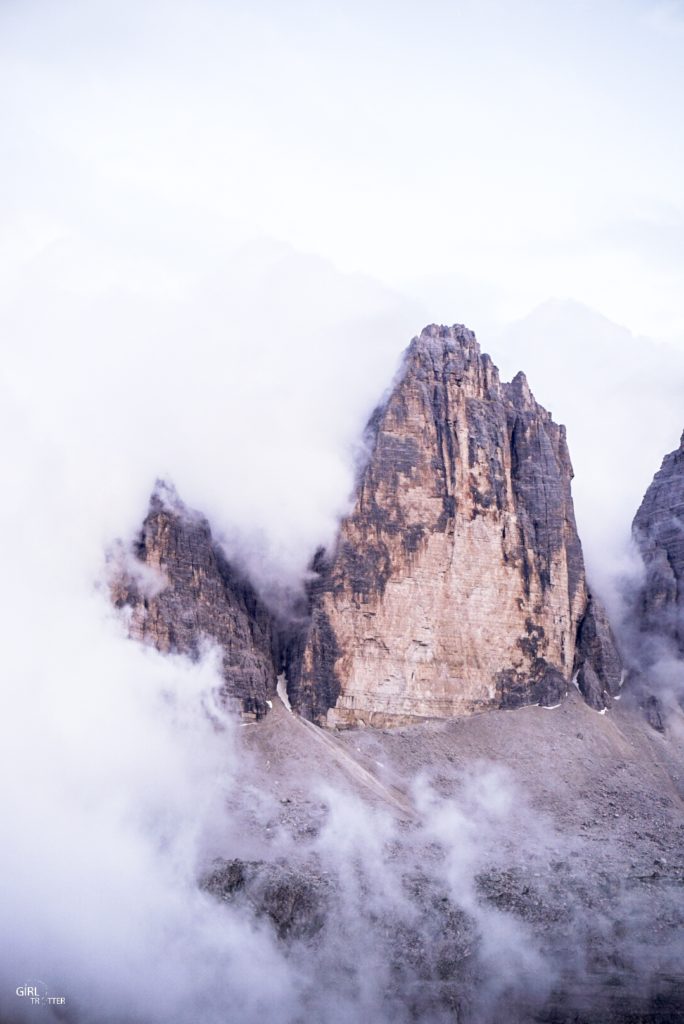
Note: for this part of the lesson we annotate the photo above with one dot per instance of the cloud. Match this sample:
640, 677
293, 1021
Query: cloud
154, 323
248, 385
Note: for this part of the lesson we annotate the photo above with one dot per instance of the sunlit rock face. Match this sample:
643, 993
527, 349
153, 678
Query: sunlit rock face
457, 582
182, 593
658, 529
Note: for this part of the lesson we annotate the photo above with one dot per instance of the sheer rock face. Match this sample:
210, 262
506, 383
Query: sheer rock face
658, 529
597, 662
182, 592
457, 582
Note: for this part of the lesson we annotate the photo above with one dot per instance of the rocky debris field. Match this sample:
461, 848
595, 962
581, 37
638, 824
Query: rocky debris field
520, 866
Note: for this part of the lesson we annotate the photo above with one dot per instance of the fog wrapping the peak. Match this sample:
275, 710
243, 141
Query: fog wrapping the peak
220, 228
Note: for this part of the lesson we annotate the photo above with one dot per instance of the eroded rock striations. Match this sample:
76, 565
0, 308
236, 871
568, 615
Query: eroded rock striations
658, 530
457, 582
182, 591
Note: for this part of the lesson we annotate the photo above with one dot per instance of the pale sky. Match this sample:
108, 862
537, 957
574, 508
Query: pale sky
487, 155
230, 218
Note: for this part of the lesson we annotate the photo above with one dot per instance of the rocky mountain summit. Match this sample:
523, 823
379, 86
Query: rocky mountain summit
658, 529
457, 582
181, 591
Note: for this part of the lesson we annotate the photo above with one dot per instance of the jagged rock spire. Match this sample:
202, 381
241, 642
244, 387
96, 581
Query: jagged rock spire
198, 596
457, 582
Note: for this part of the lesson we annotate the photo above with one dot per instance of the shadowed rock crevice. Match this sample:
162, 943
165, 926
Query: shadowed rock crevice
598, 665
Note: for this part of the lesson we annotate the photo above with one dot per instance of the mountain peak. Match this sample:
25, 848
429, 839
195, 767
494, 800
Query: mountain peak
202, 599
439, 340
457, 582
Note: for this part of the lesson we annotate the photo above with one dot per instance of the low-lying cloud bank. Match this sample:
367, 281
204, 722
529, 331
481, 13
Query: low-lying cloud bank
250, 391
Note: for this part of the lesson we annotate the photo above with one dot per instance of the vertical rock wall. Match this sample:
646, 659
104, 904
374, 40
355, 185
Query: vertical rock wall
658, 529
457, 582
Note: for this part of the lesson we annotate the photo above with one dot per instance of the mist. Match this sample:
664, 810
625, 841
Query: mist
215, 246
115, 774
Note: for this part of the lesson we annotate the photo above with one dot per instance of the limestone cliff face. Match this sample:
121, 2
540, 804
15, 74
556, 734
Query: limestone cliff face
658, 529
182, 591
457, 582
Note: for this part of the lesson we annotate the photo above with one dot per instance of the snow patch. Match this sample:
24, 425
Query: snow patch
281, 690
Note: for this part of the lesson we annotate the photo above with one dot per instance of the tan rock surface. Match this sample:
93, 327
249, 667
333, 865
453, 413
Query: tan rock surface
457, 583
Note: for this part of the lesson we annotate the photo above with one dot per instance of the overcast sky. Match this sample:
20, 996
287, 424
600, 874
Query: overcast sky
476, 153
290, 191
220, 225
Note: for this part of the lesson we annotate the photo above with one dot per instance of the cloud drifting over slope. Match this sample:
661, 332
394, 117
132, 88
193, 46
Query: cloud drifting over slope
152, 326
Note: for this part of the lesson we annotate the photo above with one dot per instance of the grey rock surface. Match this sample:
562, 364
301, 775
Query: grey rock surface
188, 593
658, 530
598, 663
538, 878
296, 901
